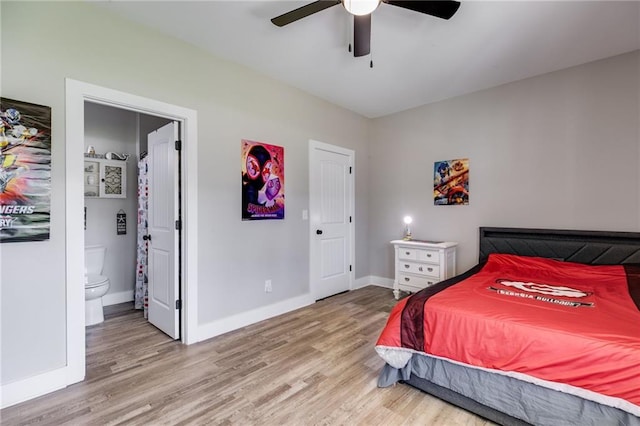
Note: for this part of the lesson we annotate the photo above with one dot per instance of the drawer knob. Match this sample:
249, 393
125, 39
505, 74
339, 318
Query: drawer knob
420, 269
428, 254
406, 266
407, 253
430, 269
406, 279
430, 282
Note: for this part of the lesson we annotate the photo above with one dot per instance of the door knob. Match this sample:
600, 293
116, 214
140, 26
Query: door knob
146, 237
319, 231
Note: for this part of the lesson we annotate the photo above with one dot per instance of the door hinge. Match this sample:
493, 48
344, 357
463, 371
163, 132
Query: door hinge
178, 225
350, 170
350, 268
178, 145
178, 304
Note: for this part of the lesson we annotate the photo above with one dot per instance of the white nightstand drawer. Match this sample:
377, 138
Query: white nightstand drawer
420, 269
413, 281
419, 254
407, 253
428, 256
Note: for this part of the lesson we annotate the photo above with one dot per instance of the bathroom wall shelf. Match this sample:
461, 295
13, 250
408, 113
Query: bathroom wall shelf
105, 178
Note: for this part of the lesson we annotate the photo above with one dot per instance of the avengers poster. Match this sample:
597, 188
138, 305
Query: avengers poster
25, 171
451, 182
262, 181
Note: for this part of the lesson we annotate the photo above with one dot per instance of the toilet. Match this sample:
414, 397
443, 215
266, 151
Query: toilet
95, 284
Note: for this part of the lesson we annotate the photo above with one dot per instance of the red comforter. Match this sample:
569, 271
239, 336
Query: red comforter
557, 321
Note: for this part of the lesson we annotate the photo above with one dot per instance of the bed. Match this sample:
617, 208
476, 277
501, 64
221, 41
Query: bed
430, 343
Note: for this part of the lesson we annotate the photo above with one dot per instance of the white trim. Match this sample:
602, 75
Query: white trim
115, 298
32, 387
74, 147
317, 145
77, 93
234, 322
373, 280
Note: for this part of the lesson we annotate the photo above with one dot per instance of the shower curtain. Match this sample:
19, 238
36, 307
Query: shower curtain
141, 295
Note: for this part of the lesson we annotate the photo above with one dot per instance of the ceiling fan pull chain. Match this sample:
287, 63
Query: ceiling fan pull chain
350, 37
370, 50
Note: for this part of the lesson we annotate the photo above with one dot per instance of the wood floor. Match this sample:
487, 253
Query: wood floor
316, 365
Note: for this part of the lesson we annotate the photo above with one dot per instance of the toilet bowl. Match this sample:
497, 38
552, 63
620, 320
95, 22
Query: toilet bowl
95, 284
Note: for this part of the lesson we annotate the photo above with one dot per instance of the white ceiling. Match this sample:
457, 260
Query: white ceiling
417, 59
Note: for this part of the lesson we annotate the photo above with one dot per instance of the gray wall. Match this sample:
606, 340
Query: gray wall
76, 40
560, 150
109, 129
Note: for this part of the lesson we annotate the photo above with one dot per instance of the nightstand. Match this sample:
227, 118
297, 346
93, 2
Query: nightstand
420, 264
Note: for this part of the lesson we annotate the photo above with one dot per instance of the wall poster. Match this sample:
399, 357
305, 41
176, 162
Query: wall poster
451, 182
262, 181
25, 171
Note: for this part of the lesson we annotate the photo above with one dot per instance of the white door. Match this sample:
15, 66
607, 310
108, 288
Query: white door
163, 243
331, 219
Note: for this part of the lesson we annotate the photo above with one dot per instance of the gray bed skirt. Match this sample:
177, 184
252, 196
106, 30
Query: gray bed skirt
502, 399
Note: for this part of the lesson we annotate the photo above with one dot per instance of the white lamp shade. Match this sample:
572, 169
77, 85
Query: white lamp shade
360, 7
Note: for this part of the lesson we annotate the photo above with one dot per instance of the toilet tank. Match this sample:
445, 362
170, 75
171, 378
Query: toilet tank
94, 259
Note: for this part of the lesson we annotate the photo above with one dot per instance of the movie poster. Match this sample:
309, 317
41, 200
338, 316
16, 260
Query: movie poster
25, 171
451, 182
262, 181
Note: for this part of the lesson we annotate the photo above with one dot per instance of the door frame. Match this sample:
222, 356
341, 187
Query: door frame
321, 146
77, 93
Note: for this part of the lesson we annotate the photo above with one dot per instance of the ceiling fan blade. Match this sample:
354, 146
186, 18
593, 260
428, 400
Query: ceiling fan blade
444, 9
361, 35
303, 12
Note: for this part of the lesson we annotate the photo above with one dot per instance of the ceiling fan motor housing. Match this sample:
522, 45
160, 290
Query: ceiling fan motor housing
360, 7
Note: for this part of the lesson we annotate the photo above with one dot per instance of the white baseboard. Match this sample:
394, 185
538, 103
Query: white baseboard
115, 298
16, 392
234, 322
372, 280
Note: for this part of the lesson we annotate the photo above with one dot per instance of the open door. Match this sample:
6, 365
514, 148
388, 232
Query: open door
163, 229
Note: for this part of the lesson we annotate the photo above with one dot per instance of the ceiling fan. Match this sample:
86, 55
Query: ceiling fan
361, 11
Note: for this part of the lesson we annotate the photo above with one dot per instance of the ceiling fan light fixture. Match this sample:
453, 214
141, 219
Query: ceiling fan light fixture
360, 7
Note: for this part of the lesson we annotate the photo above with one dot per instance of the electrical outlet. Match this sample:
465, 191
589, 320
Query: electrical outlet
267, 286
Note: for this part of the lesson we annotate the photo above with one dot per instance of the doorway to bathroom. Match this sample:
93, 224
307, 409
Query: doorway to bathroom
131, 213
79, 96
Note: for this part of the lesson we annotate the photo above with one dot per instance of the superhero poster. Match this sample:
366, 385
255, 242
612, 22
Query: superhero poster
25, 171
451, 182
262, 181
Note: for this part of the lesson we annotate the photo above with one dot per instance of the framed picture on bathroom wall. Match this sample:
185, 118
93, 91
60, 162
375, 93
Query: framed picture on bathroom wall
262, 181
25, 171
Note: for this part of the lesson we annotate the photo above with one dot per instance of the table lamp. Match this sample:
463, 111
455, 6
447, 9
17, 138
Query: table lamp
407, 229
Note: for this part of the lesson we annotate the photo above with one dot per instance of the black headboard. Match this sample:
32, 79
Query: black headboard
592, 247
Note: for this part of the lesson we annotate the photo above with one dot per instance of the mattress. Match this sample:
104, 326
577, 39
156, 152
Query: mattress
502, 399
